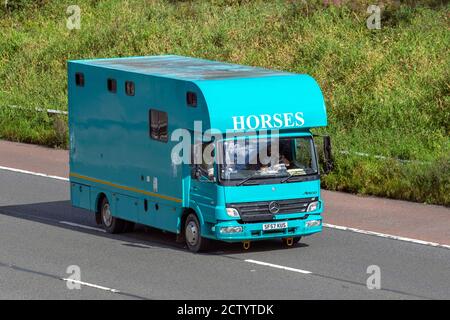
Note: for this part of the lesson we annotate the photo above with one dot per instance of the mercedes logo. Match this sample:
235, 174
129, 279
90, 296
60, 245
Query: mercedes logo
274, 207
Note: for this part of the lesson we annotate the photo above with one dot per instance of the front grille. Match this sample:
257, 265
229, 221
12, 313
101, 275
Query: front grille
259, 211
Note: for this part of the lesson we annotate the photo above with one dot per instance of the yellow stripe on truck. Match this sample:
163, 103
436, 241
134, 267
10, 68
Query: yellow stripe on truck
152, 194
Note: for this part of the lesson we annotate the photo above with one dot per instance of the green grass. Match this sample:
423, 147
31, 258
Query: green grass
387, 91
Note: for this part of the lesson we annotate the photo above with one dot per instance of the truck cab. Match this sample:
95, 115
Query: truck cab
256, 200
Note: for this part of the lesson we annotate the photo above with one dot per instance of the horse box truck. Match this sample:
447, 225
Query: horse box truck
123, 113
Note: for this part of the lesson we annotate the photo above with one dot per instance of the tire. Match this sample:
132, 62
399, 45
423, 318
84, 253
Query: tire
192, 232
110, 223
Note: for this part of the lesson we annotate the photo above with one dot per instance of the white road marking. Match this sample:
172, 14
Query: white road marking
81, 226
90, 285
139, 245
33, 173
278, 266
387, 236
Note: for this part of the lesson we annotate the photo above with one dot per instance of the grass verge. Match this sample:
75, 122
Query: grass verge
387, 91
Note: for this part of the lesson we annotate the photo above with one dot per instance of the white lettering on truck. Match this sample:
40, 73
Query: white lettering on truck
267, 121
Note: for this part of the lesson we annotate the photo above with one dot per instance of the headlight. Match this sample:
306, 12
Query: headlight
313, 223
231, 230
232, 212
313, 206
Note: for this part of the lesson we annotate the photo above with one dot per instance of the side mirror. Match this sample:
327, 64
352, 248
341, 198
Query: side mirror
328, 156
199, 174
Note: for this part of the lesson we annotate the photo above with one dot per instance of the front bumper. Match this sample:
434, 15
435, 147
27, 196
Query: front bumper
254, 231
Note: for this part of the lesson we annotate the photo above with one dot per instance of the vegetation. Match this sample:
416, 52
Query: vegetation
387, 90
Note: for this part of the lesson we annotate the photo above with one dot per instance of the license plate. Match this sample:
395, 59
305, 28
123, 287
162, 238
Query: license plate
275, 226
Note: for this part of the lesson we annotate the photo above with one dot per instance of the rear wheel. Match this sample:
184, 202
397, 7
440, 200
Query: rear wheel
192, 232
110, 223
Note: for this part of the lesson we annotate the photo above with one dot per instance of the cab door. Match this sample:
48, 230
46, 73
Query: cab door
203, 187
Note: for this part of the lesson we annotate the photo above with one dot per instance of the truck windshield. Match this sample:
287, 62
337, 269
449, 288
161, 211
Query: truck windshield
254, 159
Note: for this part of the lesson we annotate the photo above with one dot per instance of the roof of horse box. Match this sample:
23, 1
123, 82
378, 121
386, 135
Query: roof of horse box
184, 68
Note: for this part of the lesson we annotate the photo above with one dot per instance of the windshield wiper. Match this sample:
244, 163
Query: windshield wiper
246, 179
296, 175
287, 178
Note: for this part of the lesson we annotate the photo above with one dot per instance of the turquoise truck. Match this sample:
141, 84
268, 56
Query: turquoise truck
126, 117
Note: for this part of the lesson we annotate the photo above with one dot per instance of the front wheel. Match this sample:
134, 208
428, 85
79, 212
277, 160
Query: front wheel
192, 232
110, 223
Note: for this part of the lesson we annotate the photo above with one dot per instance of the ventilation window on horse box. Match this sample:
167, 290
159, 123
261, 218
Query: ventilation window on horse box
159, 124
191, 99
79, 79
112, 85
129, 88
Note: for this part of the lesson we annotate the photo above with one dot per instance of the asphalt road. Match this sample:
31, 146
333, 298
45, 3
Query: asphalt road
41, 235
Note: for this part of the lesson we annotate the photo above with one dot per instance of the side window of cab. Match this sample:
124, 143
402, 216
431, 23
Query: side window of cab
203, 161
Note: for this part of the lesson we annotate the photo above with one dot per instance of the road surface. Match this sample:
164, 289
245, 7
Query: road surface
41, 236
